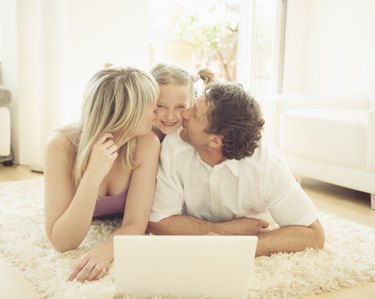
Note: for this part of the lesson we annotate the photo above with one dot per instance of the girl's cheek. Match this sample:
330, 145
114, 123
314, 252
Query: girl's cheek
158, 114
179, 115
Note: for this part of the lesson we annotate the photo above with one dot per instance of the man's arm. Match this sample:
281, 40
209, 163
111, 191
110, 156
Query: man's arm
291, 239
189, 225
285, 239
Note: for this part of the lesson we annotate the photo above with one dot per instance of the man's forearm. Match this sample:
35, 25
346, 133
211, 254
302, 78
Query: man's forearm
286, 239
189, 225
291, 239
180, 225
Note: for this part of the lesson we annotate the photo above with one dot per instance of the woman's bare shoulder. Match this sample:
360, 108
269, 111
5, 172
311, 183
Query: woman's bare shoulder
147, 148
63, 138
148, 140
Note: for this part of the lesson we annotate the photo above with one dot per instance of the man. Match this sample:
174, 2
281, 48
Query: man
217, 175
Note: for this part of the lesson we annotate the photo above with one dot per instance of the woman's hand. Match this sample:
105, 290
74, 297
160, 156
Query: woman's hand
93, 265
103, 155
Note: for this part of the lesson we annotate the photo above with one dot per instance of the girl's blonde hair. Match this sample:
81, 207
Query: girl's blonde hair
115, 101
172, 74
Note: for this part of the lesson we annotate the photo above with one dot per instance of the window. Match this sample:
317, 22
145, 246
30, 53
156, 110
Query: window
196, 34
239, 40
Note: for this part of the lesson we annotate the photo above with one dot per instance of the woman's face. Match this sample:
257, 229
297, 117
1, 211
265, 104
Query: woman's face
146, 124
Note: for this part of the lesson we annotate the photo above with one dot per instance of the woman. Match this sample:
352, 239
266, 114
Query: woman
103, 166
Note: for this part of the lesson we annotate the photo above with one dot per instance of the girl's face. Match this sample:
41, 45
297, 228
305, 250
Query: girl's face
172, 100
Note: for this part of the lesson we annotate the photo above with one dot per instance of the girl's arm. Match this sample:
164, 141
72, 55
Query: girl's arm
94, 264
68, 211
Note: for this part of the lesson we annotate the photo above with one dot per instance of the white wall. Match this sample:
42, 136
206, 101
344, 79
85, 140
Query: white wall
100, 31
330, 47
50, 49
296, 44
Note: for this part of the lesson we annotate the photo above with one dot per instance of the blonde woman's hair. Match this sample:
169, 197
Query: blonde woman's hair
115, 101
172, 74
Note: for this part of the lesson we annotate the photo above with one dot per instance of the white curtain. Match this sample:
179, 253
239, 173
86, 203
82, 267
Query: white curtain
252, 11
50, 49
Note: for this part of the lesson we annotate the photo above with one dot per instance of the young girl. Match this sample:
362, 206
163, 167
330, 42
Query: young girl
176, 94
103, 166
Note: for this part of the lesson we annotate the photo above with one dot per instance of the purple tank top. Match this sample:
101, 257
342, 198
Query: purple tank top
111, 204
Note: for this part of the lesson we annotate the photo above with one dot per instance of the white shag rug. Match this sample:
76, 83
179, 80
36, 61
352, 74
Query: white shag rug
348, 258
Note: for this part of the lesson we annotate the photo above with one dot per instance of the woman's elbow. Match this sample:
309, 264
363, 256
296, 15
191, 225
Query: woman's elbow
57, 243
62, 247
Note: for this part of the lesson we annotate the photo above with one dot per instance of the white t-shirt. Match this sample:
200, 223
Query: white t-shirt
232, 189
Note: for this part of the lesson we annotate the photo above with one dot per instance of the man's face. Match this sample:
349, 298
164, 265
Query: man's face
194, 122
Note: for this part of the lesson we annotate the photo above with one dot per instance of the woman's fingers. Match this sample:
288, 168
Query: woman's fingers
105, 137
101, 274
86, 269
78, 267
89, 272
108, 143
113, 148
110, 146
94, 272
85, 272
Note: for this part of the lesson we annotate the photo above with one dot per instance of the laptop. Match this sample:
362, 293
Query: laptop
185, 266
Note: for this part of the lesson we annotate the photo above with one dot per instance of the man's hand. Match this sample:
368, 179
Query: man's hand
241, 226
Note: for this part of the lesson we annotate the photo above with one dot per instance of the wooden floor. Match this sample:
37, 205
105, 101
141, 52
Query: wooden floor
15, 173
344, 203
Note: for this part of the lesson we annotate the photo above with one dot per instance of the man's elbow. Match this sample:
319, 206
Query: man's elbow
320, 240
153, 228
318, 237
162, 227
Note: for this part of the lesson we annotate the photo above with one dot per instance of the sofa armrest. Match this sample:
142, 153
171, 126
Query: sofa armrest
371, 139
4, 131
273, 106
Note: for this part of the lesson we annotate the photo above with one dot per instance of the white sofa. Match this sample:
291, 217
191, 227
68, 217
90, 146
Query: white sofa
327, 138
5, 150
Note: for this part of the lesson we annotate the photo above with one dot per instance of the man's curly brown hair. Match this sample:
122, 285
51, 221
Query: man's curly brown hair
236, 116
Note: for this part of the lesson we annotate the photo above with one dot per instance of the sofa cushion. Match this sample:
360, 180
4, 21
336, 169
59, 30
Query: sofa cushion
4, 132
371, 140
332, 136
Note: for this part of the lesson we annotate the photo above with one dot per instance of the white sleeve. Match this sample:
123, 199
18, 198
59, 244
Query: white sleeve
286, 201
168, 198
